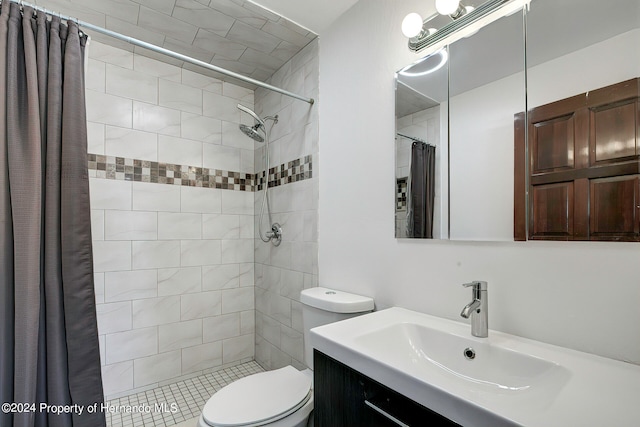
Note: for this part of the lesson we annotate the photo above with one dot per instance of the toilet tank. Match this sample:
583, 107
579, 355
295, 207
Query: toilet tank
321, 306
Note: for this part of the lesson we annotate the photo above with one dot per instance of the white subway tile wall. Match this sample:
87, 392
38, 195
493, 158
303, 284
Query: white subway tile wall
184, 285
282, 272
174, 264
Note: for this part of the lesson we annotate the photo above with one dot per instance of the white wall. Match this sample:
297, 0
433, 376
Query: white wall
578, 295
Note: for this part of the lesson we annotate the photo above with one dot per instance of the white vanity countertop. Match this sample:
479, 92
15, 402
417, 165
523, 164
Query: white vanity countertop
559, 387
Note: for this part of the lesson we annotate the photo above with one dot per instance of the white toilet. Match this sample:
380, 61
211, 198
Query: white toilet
283, 397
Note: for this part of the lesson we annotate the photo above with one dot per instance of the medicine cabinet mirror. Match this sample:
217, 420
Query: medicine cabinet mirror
469, 108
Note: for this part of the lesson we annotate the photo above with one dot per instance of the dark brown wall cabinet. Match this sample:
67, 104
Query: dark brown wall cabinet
344, 397
584, 167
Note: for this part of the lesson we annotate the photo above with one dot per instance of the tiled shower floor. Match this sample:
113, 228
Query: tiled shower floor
187, 397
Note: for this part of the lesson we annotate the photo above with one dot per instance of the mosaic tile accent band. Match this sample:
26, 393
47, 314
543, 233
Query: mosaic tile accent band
401, 194
124, 169
293, 171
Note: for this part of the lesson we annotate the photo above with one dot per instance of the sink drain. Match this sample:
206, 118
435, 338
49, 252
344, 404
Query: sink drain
469, 353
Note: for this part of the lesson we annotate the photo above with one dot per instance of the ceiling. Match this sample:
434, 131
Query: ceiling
238, 35
315, 15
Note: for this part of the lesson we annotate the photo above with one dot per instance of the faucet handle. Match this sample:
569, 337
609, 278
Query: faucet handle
478, 285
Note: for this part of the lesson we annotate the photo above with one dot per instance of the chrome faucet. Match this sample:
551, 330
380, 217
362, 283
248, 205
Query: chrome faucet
477, 309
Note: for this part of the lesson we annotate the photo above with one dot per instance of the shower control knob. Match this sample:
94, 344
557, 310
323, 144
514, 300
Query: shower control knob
275, 235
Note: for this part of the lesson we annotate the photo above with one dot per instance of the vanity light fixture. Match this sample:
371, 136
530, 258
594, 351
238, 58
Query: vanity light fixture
453, 8
452, 16
412, 25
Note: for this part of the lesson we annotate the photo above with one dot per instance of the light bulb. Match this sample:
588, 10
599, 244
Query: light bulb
447, 7
412, 25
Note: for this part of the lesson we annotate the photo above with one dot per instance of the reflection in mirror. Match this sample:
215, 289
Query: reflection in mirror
584, 154
421, 148
597, 47
588, 190
487, 87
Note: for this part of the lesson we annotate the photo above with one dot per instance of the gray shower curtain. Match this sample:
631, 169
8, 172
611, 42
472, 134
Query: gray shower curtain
421, 191
49, 350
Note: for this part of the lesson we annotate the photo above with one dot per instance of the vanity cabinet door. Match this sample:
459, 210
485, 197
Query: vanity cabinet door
344, 397
338, 394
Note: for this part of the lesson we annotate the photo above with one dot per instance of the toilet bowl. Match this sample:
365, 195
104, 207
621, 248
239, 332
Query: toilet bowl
282, 397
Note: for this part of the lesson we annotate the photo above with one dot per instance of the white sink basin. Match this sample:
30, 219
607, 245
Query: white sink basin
463, 359
511, 381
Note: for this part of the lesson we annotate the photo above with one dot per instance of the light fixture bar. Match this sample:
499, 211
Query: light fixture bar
417, 44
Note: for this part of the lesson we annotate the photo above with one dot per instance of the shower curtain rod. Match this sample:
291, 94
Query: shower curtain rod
413, 138
164, 51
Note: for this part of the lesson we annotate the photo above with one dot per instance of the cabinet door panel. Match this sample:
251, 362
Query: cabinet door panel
552, 214
613, 132
614, 208
553, 144
341, 393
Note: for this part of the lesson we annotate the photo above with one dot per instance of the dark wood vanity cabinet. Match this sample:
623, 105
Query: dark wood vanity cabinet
584, 167
344, 397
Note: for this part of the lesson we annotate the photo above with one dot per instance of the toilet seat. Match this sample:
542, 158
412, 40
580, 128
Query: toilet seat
273, 395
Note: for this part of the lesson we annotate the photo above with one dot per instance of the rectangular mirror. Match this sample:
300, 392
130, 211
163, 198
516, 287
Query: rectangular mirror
583, 164
487, 87
552, 153
421, 148
461, 100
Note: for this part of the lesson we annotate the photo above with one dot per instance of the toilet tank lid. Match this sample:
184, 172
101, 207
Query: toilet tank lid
335, 301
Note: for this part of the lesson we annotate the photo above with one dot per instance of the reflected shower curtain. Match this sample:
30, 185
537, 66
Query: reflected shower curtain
49, 350
421, 190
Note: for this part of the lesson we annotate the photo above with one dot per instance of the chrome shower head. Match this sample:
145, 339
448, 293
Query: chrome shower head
251, 113
252, 132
